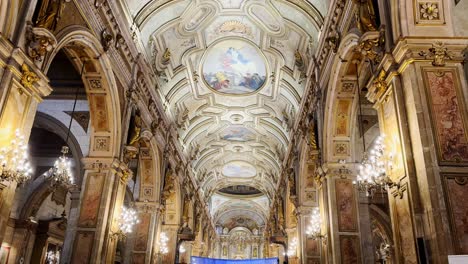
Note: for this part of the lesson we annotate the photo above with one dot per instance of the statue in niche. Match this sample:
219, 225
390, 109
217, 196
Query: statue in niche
224, 251
365, 15
50, 13
135, 126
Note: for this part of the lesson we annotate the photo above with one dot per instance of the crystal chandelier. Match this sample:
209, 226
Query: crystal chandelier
15, 164
61, 173
372, 175
53, 257
163, 239
292, 247
127, 220
314, 229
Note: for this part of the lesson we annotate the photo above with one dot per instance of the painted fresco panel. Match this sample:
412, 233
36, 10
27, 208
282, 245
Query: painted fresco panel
350, 249
342, 114
83, 247
138, 258
234, 67
142, 230
345, 203
99, 113
447, 108
312, 247
456, 189
91, 200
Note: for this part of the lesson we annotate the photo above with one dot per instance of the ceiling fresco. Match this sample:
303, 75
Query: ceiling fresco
232, 86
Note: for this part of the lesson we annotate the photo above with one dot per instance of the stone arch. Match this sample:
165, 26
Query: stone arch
341, 103
40, 189
100, 85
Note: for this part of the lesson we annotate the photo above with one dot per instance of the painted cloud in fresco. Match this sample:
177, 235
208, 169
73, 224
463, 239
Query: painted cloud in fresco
234, 67
239, 169
237, 133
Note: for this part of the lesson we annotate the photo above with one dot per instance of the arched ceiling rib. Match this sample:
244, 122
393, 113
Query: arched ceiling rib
234, 123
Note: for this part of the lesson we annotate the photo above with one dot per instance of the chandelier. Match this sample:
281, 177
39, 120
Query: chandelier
127, 220
292, 247
14, 159
372, 175
61, 173
163, 239
314, 229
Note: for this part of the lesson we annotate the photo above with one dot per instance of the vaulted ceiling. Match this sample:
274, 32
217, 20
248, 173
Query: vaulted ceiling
232, 79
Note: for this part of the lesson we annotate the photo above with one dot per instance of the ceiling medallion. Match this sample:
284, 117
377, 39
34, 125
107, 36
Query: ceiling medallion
234, 67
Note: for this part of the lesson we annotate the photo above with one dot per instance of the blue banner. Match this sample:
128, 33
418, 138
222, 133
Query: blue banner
199, 260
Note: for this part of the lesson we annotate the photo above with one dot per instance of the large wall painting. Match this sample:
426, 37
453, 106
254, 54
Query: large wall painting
404, 228
456, 188
446, 103
91, 200
345, 202
239, 169
349, 246
234, 67
83, 247
141, 232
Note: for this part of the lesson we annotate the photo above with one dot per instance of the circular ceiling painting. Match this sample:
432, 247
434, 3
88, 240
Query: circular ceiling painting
234, 67
239, 169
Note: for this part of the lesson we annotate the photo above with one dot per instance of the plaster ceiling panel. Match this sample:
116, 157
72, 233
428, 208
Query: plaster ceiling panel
231, 26
232, 4
267, 17
161, 16
288, 46
297, 16
177, 45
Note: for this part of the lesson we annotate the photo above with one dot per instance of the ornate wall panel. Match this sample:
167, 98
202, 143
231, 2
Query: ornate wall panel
350, 249
456, 188
91, 200
346, 205
448, 114
83, 247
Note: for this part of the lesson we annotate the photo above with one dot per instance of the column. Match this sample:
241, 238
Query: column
101, 200
22, 87
345, 238
421, 105
145, 232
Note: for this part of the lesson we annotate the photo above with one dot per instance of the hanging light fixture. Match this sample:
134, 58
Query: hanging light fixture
61, 172
314, 229
163, 239
372, 175
14, 160
127, 220
292, 248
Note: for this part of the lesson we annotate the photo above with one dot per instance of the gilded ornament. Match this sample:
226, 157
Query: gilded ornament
365, 15
166, 58
135, 129
50, 13
28, 78
438, 54
379, 83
